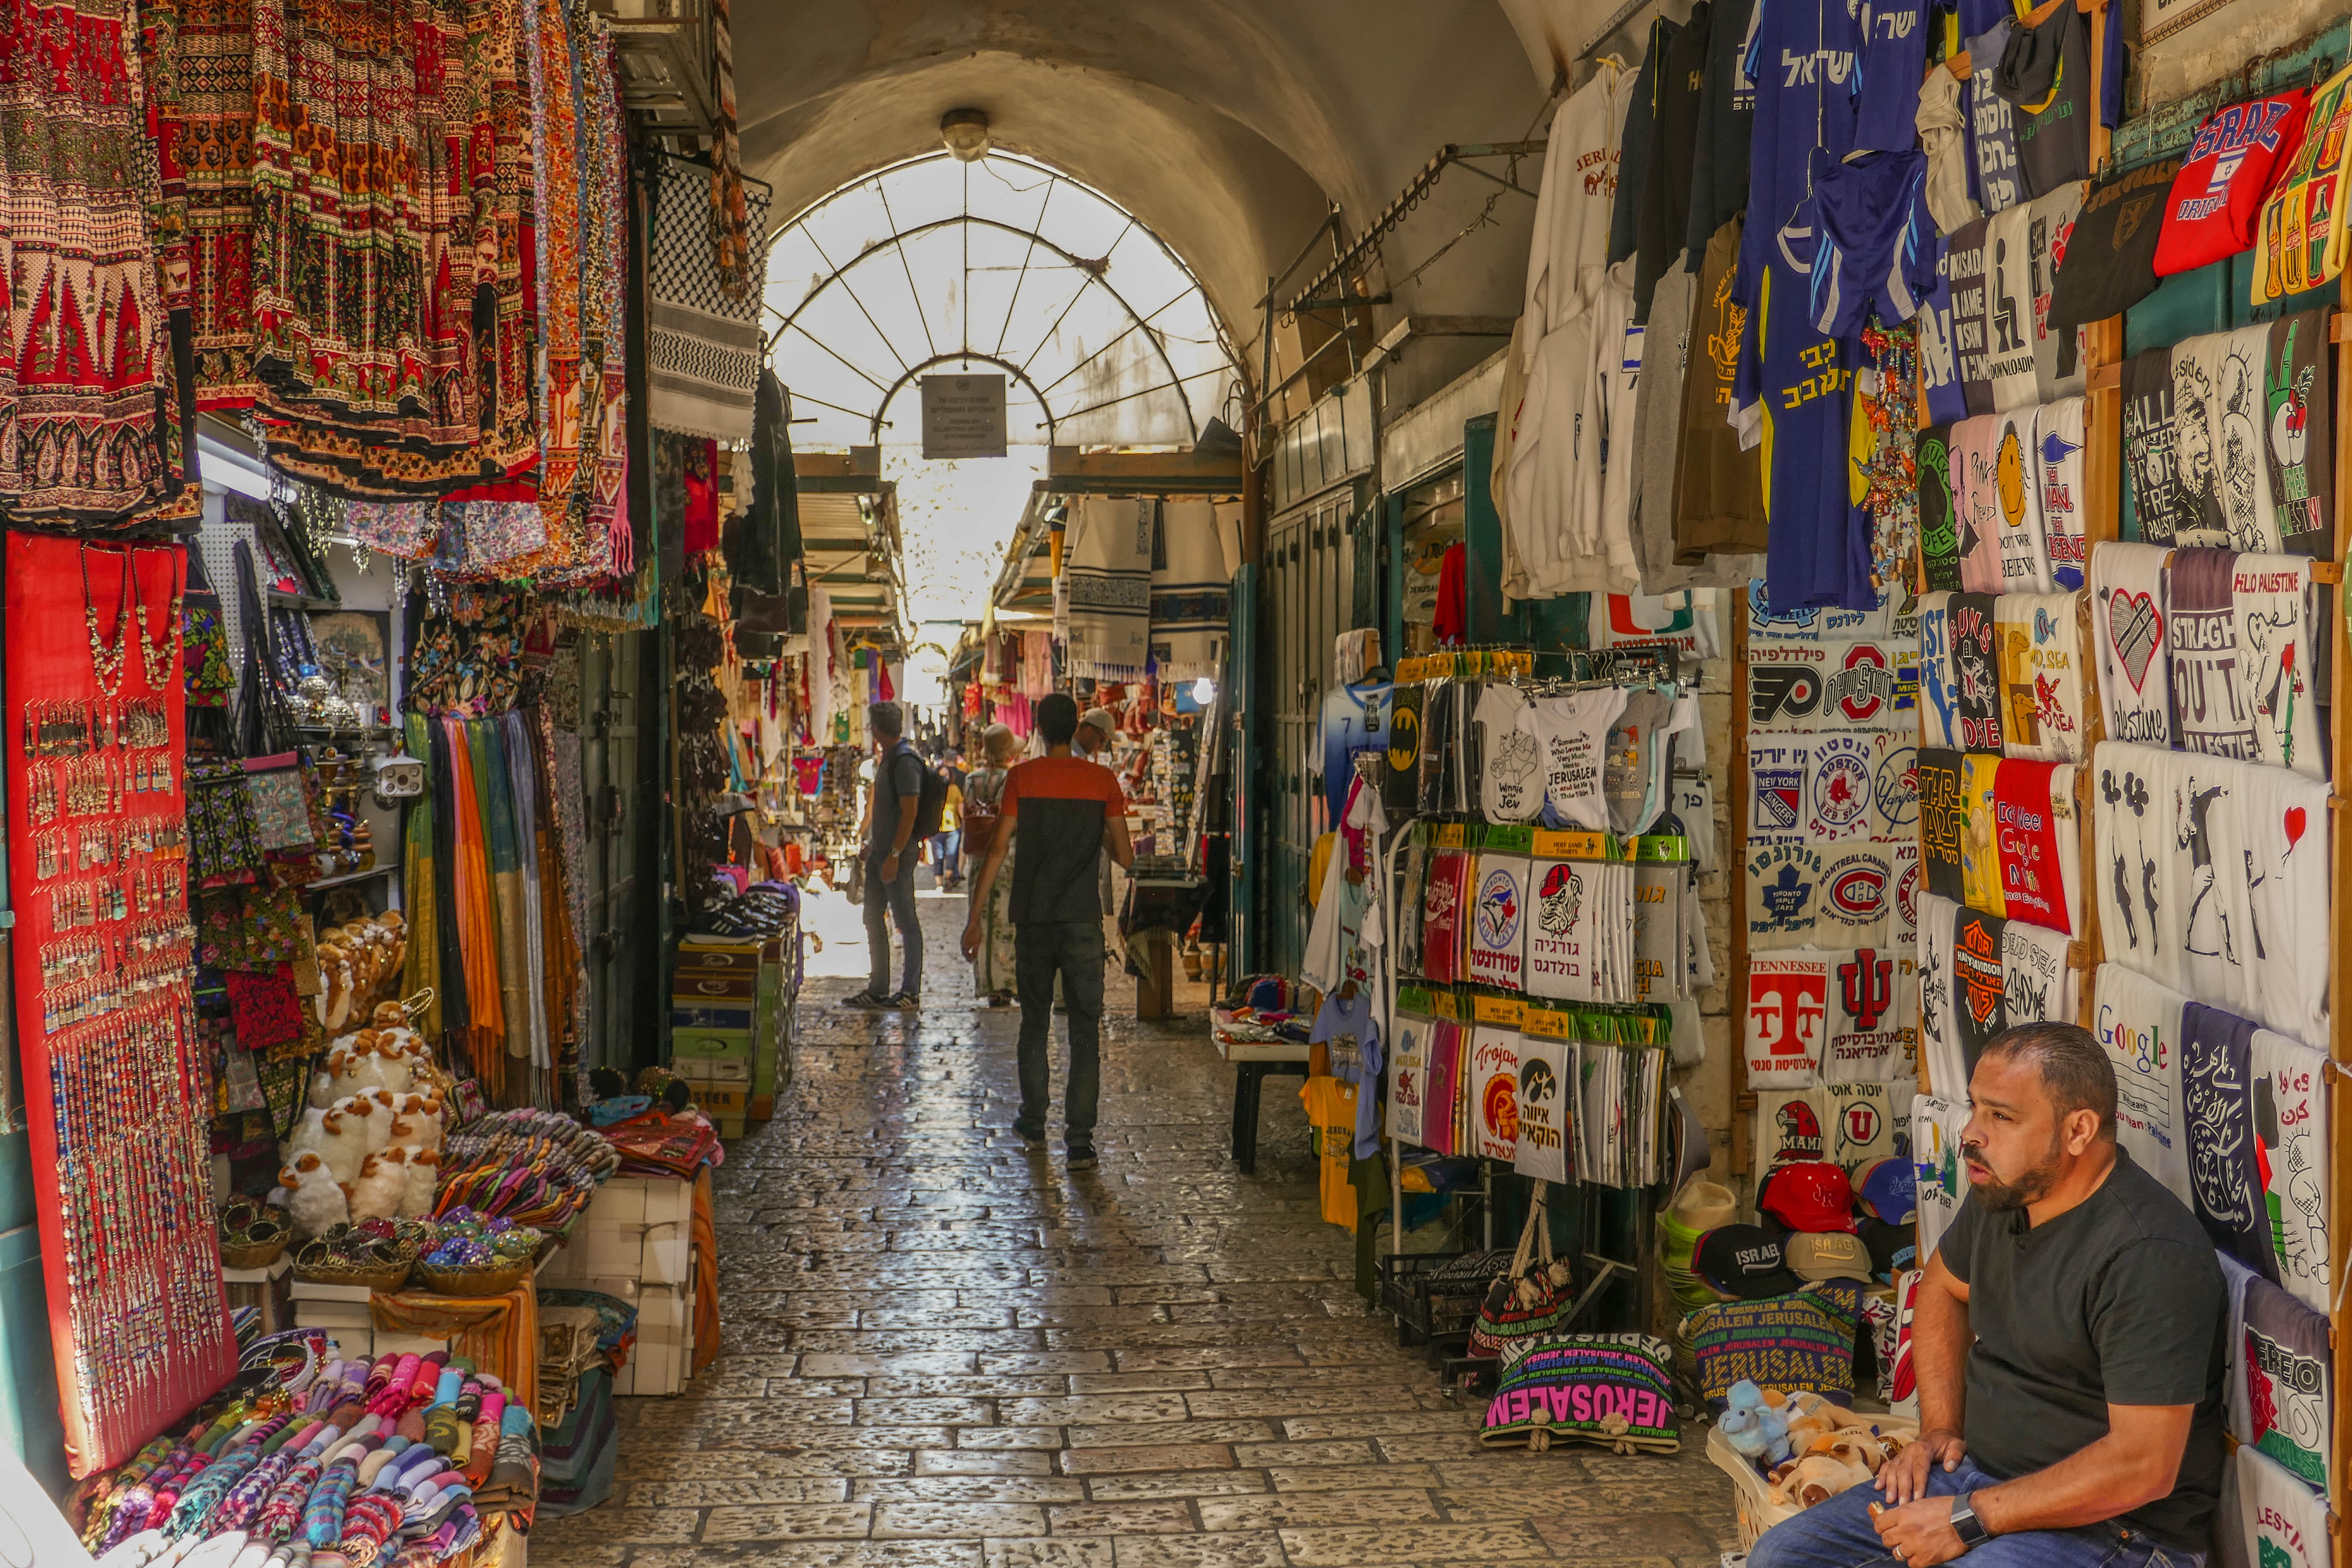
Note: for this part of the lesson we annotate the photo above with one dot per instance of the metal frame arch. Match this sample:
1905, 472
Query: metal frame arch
912, 371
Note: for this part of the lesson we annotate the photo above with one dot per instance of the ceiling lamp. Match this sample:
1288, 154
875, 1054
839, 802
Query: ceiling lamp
965, 132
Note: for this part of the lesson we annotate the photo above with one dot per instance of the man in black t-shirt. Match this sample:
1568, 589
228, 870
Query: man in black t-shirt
890, 813
2068, 1344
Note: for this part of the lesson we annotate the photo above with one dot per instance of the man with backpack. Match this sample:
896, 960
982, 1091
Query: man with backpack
904, 808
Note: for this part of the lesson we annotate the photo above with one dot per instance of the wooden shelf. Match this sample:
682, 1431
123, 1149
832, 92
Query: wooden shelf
349, 878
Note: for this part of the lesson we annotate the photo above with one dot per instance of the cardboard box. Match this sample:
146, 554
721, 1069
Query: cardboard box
702, 988
708, 1019
710, 1043
721, 1071
722, 1100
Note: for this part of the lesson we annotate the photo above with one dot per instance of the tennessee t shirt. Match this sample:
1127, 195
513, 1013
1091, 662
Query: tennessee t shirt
1058, 807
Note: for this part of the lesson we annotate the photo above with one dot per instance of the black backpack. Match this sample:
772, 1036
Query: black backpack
931, 805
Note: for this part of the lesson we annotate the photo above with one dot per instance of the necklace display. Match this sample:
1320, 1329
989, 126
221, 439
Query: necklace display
158, 659
106, 663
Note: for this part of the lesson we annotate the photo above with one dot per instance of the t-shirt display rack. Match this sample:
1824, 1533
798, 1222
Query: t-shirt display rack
1613, 1228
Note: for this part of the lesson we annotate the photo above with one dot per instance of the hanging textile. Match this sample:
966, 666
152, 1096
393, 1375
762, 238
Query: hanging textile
706, 349
1105, 583
1189, 591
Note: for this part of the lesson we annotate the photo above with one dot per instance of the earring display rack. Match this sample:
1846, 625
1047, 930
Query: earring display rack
117, 1081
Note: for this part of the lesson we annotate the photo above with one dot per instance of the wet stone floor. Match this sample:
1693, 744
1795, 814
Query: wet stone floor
940, 1350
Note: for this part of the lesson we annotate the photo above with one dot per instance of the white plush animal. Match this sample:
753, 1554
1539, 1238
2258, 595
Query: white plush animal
383, 1184
418, 1121
335, 1136
315, 1201
379, 1120
423, 1185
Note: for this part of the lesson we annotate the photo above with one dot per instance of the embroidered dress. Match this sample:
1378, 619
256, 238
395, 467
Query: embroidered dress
83, 308
199, 60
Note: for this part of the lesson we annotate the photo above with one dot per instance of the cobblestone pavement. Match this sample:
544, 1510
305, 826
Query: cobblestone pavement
942, 1352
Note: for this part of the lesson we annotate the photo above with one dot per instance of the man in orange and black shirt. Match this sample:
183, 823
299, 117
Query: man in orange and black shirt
1064, 813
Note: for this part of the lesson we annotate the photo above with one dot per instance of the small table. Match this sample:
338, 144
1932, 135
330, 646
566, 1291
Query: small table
1253, 1062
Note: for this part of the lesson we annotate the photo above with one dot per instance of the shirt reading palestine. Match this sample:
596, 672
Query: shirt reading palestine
1059, 806
2116, 1302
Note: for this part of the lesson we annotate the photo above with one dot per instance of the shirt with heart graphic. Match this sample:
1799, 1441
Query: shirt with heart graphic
2276, 837
2128, 594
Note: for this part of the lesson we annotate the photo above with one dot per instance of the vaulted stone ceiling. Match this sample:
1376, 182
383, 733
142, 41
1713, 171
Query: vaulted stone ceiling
1226, 125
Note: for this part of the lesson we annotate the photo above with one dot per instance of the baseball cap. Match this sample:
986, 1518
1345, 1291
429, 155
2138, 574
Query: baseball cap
1743, 1261
1828, 1255
1888, 1189
1893, 1247
1102, 719
1808, 1196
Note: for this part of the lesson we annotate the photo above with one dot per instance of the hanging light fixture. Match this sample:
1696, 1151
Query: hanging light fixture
965, 132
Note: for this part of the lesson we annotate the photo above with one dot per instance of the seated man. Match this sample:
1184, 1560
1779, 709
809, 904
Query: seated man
2082, 1428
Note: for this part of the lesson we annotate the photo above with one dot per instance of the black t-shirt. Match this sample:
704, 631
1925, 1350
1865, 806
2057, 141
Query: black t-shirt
2116, 1302
899, 776
1726, 121
2110, 263
1666, 181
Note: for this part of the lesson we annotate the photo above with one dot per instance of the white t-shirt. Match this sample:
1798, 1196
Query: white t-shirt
1572, 735
1511, 774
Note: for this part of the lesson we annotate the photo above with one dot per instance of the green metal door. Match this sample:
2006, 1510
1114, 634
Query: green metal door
620, 961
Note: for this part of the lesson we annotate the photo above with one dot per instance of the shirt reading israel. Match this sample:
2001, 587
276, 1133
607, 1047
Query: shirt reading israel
1806, 407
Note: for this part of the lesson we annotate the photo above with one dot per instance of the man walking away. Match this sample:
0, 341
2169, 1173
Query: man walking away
891, 821
1063, 812
947, 844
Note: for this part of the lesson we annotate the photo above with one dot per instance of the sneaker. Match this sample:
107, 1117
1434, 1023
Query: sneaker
867, 999
905, 1002
1082, 1159
1030, 1141
1000, 1000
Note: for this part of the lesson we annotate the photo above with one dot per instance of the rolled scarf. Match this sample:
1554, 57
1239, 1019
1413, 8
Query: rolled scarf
441, 1419
514, 1477
241, 1510
391, 1397
485, 1452
103, 1529
322, 1516
282, 1514
215, 1551
369, 1522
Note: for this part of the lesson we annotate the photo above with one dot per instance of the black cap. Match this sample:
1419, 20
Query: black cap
1893, 1247
1743, 1261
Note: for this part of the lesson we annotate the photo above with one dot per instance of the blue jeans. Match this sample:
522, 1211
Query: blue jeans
889, 903
1073, 951
945, 849
1839, 1534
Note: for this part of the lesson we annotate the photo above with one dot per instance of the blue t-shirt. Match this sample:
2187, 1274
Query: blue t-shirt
1940, 348
1818, 552
1355, 719
1802, 58
1336, 1023
1893, 57
1876, 242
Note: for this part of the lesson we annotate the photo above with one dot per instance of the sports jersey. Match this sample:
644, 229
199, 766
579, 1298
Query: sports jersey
2305, 210
2217, 198
1354, 719
1511, 780
2001, 182
2110, 260
1877, 240
2008, 309
1801, 57
1816, 554
2050, 224
1940, 348
1966, 254
1893, 56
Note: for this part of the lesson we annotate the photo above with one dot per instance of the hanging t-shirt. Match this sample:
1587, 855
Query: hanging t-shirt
2009, 309
1872, 1008
1943, 821
2209, 708
1634, 762
2110, 261
2041, 677
2024, 554
1573, 902
2290, 1124
1495, 1091
2035, 832
1350, 1031
1499, 937
1719, 491
2301, 216
2128, 620
2282, 1376
1354, 720
1572, 735
2000, 177
2273, 1519
1408, 1097
1939, 1029
1940, 538
1973, 623
1857, 895
1511, 779
1401, 779
2036, 985
2158, 503
2054, 136
1452, 614
2298, 414
2196, 382
2236, 417
2217, 198
2275, 840
1970, 261
2058, 370
2137, 1021
1979, 983
1939, 696
1813, 555
1940, 1182
2271, 600
1943, 136
1787, 1015
1797, 110
1981, 883
1441, 1113
1939, 347
1726, 117
1658, 941
2216, 1066
1444, 894
2058, 465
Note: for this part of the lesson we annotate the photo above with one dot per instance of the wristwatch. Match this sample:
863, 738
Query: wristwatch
1965, 1522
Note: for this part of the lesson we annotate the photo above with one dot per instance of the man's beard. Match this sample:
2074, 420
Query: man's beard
2006, 1197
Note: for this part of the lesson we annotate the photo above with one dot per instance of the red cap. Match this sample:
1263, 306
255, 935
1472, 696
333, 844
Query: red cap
1808, 1196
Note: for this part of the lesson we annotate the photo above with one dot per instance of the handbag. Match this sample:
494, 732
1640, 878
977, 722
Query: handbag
1529, 1303
980, 820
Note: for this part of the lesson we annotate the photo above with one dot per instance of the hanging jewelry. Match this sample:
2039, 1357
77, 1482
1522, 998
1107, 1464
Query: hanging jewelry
105, 663
159, 659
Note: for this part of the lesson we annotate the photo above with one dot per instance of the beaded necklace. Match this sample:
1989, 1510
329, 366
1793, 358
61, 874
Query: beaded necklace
106, 663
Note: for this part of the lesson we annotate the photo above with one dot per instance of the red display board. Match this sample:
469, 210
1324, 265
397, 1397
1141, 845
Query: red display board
116, 1084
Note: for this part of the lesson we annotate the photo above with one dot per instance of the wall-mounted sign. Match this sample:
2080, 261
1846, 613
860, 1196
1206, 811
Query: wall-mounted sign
963, 417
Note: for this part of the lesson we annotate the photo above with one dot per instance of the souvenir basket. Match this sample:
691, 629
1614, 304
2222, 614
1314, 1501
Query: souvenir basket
494, 1280
467, 1256
381, 1276
246, 1254
251, 1237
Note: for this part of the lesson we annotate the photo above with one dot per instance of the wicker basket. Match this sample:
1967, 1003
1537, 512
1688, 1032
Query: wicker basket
253, 1255
380, 1277
1751, 1495
492, 1281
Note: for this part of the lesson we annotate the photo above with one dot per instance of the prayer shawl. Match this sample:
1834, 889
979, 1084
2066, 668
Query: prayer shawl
1787, 1019
2299, 411
1189, 593
2017, 506
2127, 621
2042, 675
531, 854
2058, 474
2279, 1387
2138, 1022
2271, 602
1106, 588
450, 920
494, 797
2157, 502
1976, 502
703, 339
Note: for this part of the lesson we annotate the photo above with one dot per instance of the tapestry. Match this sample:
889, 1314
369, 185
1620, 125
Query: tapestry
705, 345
